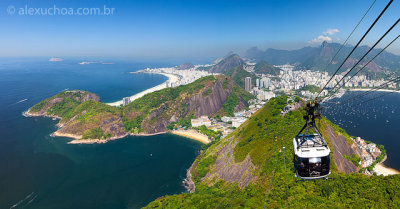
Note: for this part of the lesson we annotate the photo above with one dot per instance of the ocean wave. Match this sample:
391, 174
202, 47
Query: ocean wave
26, 201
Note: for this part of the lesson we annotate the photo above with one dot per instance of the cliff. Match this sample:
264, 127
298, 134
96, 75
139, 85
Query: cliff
249, 169
83, 116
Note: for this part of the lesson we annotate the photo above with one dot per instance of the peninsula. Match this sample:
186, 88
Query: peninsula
86, 119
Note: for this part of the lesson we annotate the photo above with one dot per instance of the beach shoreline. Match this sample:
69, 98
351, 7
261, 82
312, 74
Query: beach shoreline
192, 134
368, 89
381, 169
172, 78
77, 139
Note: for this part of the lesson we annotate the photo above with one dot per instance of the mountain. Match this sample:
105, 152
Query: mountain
262, 67
238, 74
233, 66
227, 63
316, 58
83, 116
185, 66
249, 169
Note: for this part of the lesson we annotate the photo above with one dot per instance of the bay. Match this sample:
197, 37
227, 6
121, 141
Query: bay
40, 171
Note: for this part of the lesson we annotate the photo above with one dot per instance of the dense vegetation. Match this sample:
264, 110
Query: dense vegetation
262, 67
230, 104
215, 135
95, 133
203, 167
262, 138
149, 114
238, 74
355, 159
310, 88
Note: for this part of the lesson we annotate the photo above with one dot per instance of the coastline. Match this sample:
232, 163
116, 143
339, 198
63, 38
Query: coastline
192, 134
171, 78
368, 89
381, 169
77, 139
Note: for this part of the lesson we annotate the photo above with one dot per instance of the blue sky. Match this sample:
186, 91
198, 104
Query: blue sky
193, 29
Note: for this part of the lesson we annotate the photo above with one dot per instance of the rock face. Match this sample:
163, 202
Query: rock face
210, 104
108, 123
208, 100
228, 63
340, 147
226, 168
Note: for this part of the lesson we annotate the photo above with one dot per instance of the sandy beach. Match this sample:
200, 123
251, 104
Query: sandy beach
381, 169
384, 90
171, 78
192, 134
78, 139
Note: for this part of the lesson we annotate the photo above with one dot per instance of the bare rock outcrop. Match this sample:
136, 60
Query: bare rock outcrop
228, 170
340, 147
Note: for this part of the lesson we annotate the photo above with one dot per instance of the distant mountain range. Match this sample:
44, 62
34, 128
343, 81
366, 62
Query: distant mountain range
316, 58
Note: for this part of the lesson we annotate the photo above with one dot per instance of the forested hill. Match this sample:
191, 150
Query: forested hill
82, 115
248, 169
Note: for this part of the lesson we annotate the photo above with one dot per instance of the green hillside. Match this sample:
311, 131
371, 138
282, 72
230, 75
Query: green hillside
83, 114
238, 74
265, 68
248, 169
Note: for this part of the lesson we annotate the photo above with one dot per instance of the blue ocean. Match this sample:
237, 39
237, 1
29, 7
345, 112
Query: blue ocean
374, 117
40, 171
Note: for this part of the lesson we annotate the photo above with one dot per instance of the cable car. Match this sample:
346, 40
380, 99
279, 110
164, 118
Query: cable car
311, 152
311, 157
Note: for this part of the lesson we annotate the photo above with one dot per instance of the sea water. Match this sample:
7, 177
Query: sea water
40, 171
377, 120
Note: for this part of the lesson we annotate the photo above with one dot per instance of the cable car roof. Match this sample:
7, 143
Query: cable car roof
309, 149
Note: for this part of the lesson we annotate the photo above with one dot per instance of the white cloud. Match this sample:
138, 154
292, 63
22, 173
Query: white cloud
320, 39
55, 59
326, 36
330, 31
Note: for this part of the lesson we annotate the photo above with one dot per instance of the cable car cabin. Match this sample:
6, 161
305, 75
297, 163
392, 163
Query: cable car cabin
311, 157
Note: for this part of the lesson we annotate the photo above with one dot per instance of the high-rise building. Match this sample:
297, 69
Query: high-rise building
265, 82
126, 100
247, 84
258, 82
